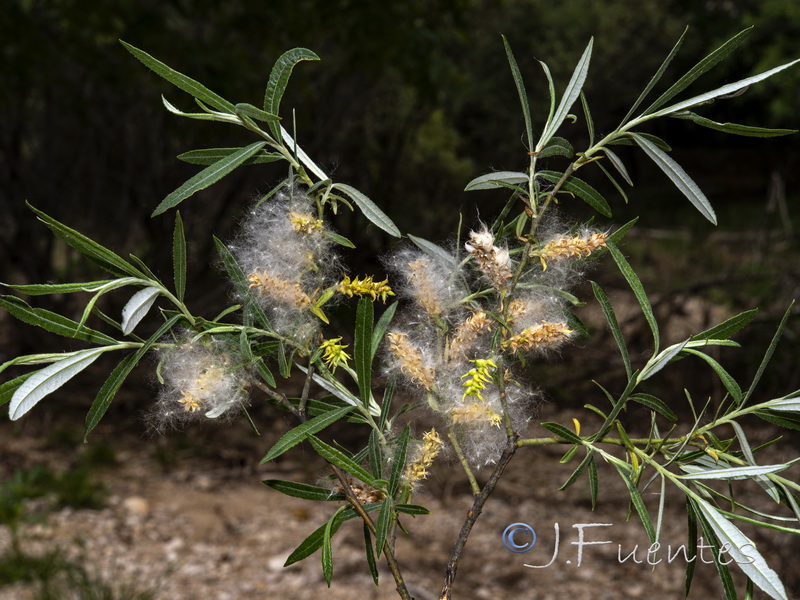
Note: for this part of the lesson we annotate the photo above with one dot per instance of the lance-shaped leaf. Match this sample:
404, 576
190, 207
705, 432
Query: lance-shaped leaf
618, 165
304, 490
48, 380
278, 80
734, 128
293, 437
179, 257
494, 180
381, 326
46, 289
655, 79
137, 307
742, 550
434, 251
53, 322
336, 457
208, 156
768, 354
523, 95
732, 473
362, 350
725, 90
187, 84
658, 362
696, 71
785, 404
248, 110
728, 327
580, 188
571, 94
611, 317
726, 378
208, 176
369, 209
638, 290
679, 177
102, 256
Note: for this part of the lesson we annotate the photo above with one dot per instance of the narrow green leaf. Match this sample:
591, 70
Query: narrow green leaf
374, 453
593, 478
493, 180
727, 380
369, 209
278, 80
47, 289
633, 281
180, 80
638, 503
613, 324
208, 156
725, 90
768, 354
523, 95
788, 421
385, 518
588, 115
618, 165
411, 509
581, 189
563, 432
52, 322
327, 549
48, 380
661, 360
208, 176
678, 176
117, 377
334, 456
742, 550
699, 69
338, 239
179, 257
578, 470
614, 182
305, 491
314, 541
371, 561
248, 110
627, 140
728, 327
691, 545
790, 403
381, 326
294, 436
98, 254
557, 146
655, 79
694, 472
571, 94
399, 461
734, 128
137, 308
362, 348
655, 404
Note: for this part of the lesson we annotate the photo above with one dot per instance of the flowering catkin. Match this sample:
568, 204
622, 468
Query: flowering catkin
200, 380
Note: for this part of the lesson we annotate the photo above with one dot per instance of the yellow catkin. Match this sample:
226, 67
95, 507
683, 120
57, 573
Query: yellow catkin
543, 335
280, 289
410, 359
475, 413
304, 223
467, 333
424, 286
569, 247
365, 287
418, 469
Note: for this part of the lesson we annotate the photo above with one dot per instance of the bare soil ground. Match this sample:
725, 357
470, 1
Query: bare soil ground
188, 517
